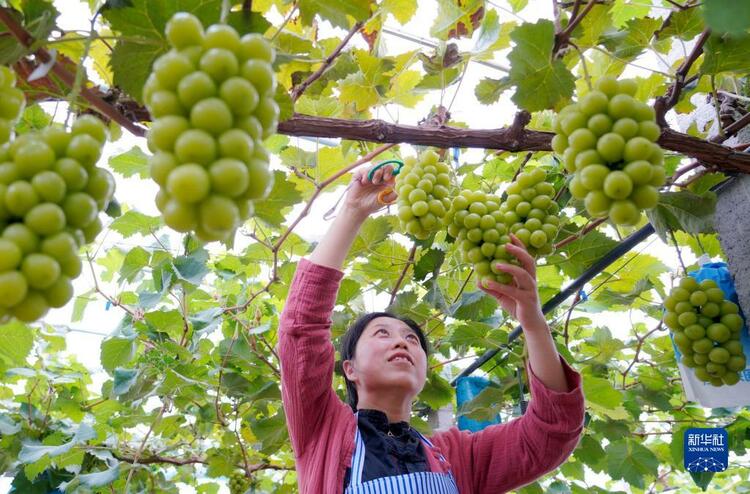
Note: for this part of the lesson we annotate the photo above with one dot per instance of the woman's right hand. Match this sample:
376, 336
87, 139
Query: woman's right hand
362, 198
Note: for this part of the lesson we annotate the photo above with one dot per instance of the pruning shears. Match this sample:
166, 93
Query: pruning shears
370, 174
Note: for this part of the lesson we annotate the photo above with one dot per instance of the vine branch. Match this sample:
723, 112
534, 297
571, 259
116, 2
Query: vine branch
27, 40
665, 103
298, 90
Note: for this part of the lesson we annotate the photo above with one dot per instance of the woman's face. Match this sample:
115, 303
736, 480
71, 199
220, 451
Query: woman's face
388, 357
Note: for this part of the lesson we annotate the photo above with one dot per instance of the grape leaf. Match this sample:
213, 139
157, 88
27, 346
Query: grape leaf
628, 460
131, 163
488, 90
628, 43
282, 197
684, 211
133, 222
726, 54
457, 18
116, 352
727, 16
17, 342
540, 81
401, 10
625, 10
684, 24
335, 11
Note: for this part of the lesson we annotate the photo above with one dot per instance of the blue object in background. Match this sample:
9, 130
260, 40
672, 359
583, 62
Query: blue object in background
719, 272
467, 388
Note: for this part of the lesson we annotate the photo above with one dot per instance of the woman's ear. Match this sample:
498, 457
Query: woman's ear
348, 368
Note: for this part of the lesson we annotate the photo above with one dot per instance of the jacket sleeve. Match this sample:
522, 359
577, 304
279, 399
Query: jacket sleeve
507, 456
306, 351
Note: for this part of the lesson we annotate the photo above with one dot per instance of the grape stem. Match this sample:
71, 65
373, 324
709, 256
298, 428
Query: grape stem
664, 103
409, 262
298, 90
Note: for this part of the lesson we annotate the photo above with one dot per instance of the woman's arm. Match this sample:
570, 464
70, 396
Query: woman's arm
507, 456
335, 244
305, 349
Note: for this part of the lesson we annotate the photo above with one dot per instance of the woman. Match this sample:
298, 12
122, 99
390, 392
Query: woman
368, 446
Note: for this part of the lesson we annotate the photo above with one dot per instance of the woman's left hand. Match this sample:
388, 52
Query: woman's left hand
520, 298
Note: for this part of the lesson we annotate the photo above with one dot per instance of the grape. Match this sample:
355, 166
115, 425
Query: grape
195, 146
639, 171
617, 185
222, 36
170, 68
80, 209
624, 212
184, 29
22, 236
31, 308
20, 197
621, 106
165, 131
89, 125
165, 103
59, 293
592, 177
33, 158
417, 191
609, 130
179, 216
600, 124
49, 186
260, 180
611, 147
218, 214
220, 64
41, 271
193, 88
261, 75
594, 102
45, 219
712, 336
10, 255
211, 99
645, 196
73, 174
211, 115
229, 177
189, 183
240, 95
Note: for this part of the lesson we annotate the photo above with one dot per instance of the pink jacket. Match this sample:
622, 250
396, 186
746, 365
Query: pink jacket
497, 459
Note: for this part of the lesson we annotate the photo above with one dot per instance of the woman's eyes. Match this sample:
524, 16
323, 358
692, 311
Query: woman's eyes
412, 335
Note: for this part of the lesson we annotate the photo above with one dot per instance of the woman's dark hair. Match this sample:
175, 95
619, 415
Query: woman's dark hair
351, 337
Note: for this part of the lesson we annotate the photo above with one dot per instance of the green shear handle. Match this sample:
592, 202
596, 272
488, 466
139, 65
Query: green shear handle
383, 163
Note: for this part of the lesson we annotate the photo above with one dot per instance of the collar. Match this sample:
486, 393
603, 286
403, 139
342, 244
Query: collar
380, 421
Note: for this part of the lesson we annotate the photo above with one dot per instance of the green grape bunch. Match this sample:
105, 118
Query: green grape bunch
706, 328
608, 142
212, 102
478, 225
51, 194
530, 211
12, 103
423, 186
238, 483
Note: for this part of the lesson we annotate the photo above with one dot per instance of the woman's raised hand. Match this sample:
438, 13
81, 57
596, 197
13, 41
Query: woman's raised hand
367, 196
520, 298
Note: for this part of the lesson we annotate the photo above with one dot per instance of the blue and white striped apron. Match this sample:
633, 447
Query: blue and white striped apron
413, 483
